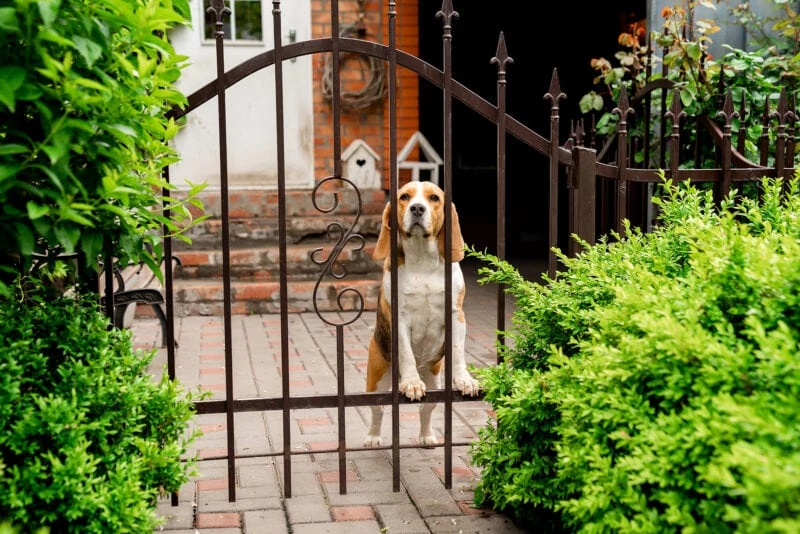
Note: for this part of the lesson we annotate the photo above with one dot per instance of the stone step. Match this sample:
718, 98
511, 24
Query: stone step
253, 264
264, 231
205, 296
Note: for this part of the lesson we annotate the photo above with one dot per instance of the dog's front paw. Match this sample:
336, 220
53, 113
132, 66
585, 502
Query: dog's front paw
413, 388
466, 384
372, 441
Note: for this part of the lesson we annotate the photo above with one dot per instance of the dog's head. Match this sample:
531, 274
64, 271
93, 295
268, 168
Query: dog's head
420, 214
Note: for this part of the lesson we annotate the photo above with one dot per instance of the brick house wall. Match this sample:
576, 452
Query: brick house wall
371, 124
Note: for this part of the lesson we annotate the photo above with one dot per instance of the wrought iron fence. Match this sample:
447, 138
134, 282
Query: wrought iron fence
598, 186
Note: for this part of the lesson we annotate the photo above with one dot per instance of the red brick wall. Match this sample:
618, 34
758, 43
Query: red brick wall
371, 124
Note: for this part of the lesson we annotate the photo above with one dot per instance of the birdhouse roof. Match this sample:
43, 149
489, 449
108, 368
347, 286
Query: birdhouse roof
355, 146
427, 150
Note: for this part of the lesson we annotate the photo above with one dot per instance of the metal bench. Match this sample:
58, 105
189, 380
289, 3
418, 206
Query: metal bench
137, 284
133, 284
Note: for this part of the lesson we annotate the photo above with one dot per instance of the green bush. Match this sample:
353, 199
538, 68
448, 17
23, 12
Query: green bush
88, 440
86, 85
664, 393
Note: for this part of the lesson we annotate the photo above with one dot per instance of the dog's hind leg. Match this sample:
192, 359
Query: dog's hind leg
377, 378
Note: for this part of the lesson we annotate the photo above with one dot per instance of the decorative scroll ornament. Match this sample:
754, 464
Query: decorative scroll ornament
330, 264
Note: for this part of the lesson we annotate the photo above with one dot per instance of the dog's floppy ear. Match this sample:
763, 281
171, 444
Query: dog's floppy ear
457, 243
384, 244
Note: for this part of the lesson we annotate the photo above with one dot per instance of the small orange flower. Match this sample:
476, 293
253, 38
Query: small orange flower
667, 12
601, 64
625, 39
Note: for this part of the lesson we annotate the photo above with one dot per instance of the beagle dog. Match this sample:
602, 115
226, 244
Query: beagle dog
421, 305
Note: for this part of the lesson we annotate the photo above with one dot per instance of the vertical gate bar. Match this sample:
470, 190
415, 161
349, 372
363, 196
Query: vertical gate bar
447, 14
336, 91
219, 10
501, 59
623, 110
337, 172
554, 95
340, 409
169, 300
282, 245
393, 242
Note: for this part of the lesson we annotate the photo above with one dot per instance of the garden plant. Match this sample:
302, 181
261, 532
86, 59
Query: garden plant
86, 85
88, 438
756, 75
654, 384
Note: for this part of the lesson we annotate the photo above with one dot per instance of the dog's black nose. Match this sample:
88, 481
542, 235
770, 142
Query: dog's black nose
417, 210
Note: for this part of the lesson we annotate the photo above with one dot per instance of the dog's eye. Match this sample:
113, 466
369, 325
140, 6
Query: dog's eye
405, 196
434, 198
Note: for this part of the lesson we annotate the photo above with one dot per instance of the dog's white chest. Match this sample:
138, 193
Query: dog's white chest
422, 306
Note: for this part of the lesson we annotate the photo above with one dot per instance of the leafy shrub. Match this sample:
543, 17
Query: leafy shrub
673, 400
83, 134
88, 440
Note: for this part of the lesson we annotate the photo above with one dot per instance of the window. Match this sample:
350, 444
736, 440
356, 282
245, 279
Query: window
243, 24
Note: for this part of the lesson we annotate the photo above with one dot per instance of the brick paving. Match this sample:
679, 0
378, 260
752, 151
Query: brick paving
423, 504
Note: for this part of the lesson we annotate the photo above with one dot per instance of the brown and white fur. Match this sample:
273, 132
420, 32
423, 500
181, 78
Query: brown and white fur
421, 335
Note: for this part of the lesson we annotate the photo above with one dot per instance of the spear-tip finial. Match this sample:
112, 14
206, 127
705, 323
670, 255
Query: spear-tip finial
675, 112
447, 13
501, 57
554, 94
624, 108
727, 112
218, 9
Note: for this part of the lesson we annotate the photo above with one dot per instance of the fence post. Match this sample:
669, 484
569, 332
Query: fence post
582, 199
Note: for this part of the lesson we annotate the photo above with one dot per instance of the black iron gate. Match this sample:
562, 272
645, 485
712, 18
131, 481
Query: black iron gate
394, 58
578, 167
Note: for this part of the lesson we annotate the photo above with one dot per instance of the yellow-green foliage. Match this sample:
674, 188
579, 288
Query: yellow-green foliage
655, 385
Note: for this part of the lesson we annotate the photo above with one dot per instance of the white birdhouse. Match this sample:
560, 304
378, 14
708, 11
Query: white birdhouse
361, 165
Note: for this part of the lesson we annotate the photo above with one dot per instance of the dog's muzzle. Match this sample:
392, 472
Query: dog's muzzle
418, 212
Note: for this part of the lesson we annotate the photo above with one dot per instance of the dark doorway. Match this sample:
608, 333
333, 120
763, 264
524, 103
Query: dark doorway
540, 36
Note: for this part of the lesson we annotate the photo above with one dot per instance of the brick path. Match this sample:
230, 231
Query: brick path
423, 505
